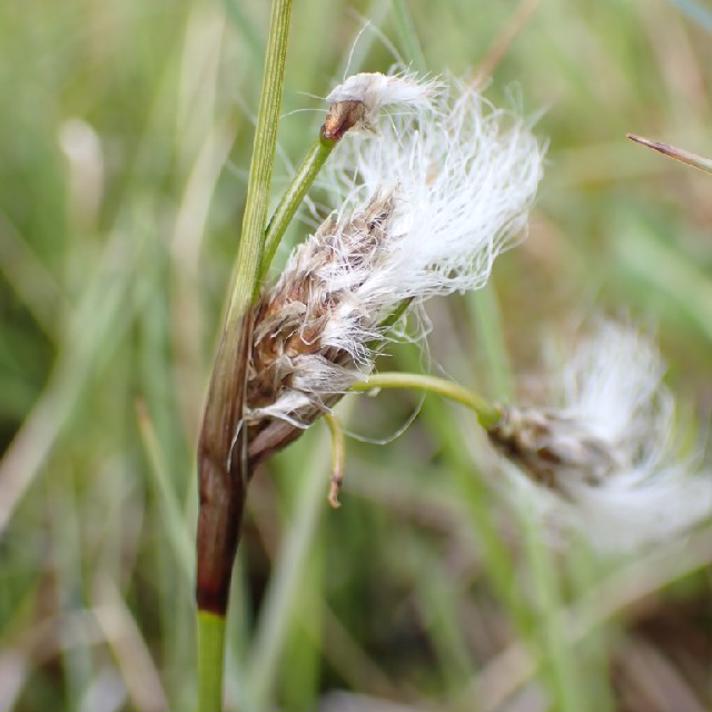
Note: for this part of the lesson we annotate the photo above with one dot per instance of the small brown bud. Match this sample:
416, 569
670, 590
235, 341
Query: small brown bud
341, 117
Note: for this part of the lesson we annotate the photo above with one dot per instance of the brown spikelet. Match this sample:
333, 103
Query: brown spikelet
290, 320
553, 449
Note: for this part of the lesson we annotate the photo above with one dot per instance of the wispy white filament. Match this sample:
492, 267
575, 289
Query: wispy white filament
612, 391
462, 176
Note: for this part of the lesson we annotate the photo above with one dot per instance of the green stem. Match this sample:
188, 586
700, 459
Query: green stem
291, 200
223, 472
222, 412
487, 414
249, 254
211, 652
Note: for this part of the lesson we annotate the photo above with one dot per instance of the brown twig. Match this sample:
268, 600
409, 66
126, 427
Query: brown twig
678, 154
337, 459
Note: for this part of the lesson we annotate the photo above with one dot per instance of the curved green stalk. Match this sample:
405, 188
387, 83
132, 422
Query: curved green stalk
211, 652
302, 181
487, 414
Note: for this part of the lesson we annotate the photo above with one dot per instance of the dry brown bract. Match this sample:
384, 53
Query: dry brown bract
291, 360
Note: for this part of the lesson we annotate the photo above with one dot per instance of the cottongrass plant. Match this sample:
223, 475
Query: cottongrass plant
426, 205
424, 197
605, 447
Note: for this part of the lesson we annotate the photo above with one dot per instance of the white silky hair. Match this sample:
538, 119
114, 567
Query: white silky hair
613, 388
462, 176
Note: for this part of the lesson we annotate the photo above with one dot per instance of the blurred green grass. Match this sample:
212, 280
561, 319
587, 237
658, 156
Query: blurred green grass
124, 137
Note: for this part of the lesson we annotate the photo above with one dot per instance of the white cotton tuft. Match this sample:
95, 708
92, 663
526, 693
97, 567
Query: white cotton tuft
375, 90
614, 383
608, 448
642, 507
463, 176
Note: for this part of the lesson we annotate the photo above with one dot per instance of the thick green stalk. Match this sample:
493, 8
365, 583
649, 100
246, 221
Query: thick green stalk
223, 470
487, 414
211, 645
249, 256
220, 461
291, 200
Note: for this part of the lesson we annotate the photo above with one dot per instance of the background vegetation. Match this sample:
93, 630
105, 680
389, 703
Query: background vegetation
124, 137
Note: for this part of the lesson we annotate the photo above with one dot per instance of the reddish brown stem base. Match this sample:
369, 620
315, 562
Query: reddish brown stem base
222, 499
223, 471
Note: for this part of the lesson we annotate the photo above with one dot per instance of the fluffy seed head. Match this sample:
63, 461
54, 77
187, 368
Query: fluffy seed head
426, 205
607, 447
463, 174
300, 366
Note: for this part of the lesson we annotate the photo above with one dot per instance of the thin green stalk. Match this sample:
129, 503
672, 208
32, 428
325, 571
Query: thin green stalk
487, 414
249, 255
448, 432
291, 200
211, 649
276, 611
